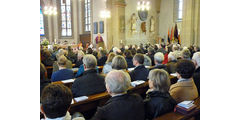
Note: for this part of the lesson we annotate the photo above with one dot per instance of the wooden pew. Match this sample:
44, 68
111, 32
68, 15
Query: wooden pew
179, 116
100, 99
68, 84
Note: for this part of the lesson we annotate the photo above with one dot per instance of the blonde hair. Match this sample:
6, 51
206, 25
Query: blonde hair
80, 53
119, 63
110, 57
160, 80
62, 60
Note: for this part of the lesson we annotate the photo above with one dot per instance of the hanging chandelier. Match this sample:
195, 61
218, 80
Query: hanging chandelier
143, 5
49, 8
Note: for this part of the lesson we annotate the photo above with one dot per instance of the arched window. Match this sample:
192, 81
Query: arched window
180, 9
66, 18
42, 32
87, 13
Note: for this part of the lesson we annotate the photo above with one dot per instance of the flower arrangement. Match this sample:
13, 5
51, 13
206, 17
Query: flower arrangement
45, 42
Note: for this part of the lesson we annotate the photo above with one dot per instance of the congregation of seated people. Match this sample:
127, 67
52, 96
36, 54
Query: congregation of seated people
120, 67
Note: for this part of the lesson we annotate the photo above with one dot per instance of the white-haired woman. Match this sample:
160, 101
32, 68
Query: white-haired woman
172, 61
196, 75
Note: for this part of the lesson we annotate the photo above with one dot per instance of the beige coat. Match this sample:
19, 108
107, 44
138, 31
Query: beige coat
185, 90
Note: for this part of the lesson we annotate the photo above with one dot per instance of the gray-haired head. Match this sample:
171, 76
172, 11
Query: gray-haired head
159, 57
171, 57
196, 57
117, 81
90, 61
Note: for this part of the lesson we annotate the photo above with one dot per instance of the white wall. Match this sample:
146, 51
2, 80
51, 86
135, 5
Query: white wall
98, 5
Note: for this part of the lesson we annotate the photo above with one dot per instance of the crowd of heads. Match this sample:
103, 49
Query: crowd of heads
56, 99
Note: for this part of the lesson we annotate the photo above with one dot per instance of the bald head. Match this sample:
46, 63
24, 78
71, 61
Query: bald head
117, 81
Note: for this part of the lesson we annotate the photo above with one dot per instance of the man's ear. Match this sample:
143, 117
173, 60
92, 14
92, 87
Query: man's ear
42, 111
84, 66
108, 90
178, 75
41, 108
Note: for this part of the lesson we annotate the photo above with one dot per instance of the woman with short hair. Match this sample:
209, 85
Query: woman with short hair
129, 57
80, 56
119, 63
108, 66
158, 100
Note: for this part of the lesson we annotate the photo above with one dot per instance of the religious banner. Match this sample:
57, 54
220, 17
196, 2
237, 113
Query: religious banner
168, 37
101, 24
95, 27
171, 37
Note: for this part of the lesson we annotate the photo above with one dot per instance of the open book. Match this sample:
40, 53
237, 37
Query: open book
137, 82
82, 98
68, 81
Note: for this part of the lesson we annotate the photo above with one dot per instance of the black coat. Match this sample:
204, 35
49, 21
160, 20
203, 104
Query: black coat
88, 84
157, 103
152, 58
171, 67
102, 61
139, 73
196, 78
123, 107
78, 63
159, 66
129, 62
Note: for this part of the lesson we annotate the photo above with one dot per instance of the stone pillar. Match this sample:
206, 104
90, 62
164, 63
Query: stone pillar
190, 34
116, 25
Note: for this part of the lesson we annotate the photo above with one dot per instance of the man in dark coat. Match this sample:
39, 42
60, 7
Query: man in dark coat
139, 72
122, 105
172, 62
158, 59
196, 75
90, 82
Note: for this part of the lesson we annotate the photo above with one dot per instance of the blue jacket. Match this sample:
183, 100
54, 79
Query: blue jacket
63, 74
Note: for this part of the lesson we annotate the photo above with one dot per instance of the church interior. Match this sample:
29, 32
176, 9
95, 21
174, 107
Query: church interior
120, 59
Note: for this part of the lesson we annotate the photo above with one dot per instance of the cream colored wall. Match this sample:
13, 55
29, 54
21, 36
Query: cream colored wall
190, 34
189, 28
167, 19
99, 5
139, 36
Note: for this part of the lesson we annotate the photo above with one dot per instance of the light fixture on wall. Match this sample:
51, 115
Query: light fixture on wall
105, 14
143, 5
